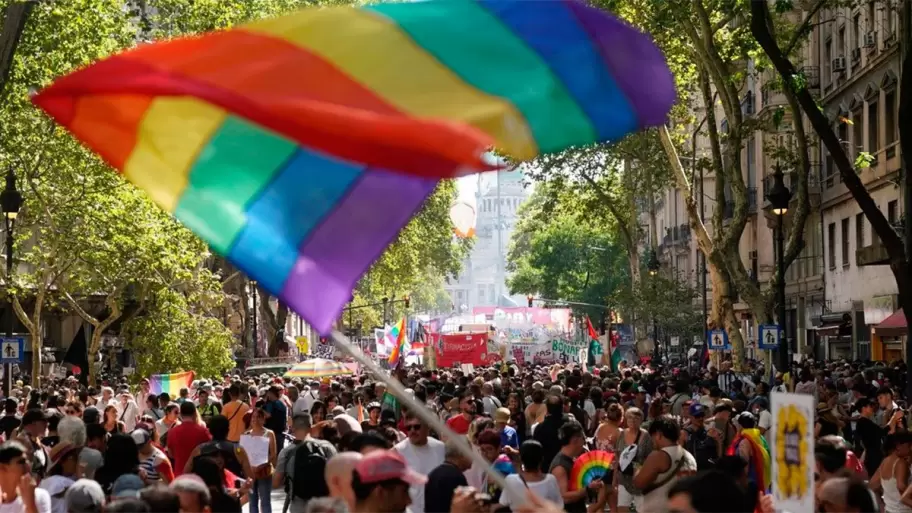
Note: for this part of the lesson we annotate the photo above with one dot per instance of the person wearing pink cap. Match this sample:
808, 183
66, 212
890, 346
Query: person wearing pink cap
381, 482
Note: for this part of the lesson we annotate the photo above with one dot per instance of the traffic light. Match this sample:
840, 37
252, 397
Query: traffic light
529, 298
407, 300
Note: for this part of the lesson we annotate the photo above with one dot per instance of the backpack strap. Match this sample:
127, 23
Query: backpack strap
674, 472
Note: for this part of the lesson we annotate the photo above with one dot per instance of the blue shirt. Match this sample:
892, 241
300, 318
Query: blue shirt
278, 416
509, 437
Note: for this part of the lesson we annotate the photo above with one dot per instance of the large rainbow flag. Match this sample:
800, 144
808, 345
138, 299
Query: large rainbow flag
299, 146
170, 383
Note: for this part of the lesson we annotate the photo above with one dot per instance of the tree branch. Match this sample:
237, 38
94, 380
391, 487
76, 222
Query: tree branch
805, 26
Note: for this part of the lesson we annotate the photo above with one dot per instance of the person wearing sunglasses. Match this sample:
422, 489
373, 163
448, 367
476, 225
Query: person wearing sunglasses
422, 453
17, 486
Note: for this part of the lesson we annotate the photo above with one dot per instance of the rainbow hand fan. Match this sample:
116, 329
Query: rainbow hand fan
299, 146
589, 467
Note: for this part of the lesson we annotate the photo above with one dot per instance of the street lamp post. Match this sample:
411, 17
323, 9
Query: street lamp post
779, 196
10, 202
652, 265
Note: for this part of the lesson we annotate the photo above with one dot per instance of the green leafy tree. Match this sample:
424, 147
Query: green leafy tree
556, 253
159, 338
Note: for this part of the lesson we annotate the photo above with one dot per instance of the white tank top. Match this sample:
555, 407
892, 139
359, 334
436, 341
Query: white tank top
657, 499
891, 495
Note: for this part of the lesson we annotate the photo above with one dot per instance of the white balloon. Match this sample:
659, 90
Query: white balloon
463, 217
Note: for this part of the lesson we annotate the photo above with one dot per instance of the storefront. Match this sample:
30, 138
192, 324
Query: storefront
835, 329
888, 338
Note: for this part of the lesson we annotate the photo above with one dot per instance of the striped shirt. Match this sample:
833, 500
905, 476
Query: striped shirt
156, 466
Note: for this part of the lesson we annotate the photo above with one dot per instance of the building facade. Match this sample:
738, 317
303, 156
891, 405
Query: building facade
482, 281
839, 287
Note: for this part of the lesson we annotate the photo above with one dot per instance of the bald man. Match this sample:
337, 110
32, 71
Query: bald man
338, 476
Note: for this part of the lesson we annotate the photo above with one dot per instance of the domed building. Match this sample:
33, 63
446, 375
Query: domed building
483, 278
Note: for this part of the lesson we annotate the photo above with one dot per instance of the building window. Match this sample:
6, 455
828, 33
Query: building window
841, 42
845, 242
828, 60
859, 231
481, 294
751, 166
857, 133
831, 244
873, 127
892, 208
856, 29
871, 13
890, 126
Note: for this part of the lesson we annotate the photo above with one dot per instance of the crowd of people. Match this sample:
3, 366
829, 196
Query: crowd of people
679, 441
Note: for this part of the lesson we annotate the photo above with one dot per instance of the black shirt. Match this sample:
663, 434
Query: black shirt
8, 424
441, 484
870, 436
546, 434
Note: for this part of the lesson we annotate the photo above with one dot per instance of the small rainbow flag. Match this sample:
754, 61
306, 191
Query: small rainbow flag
299, 146
397, 333
170, 383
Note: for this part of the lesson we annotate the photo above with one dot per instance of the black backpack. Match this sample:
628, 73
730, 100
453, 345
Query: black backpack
309, 464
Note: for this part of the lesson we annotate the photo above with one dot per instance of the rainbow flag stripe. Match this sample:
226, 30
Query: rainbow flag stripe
170, 383
299, 146
397, 333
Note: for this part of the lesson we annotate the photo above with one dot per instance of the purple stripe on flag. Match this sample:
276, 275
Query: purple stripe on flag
351, 237
636, 63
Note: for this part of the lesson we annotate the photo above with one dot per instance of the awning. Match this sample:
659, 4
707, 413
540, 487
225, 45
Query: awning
893, 326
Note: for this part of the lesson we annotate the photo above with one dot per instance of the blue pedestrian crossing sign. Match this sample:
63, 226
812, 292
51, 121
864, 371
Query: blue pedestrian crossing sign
769, 336
11, 350
718, 341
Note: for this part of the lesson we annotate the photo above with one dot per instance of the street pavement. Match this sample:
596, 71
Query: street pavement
278, 500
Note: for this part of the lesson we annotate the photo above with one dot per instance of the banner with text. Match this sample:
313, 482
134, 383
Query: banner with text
473, 348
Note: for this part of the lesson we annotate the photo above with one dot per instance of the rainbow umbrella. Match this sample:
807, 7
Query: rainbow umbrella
318, 368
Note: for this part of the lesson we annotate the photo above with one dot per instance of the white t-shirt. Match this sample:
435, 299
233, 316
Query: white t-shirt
304, 403
42, 502
765, 420
514, 495
163, 428
490, 404
422, 460
56, 485
128, 414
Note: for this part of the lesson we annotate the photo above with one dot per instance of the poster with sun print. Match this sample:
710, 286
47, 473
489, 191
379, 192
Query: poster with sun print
792, 437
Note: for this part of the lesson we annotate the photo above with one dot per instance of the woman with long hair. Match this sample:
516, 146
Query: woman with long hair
636, 443
111, 423
517, 416
892, 477
260, 493
318, 412
606, 437
121, 457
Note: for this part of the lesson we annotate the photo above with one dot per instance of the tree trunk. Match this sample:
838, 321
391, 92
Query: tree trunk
14, 20
113, 303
